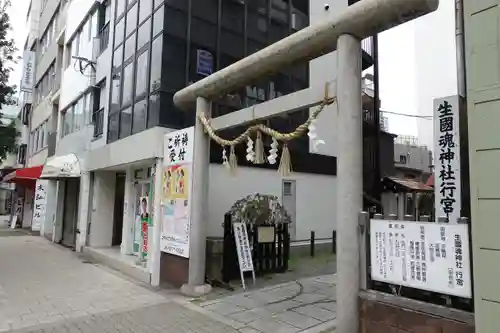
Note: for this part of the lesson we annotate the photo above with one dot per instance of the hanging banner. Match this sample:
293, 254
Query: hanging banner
28, 71
144, 206
447, 187
423, 255
39, 205
176, 184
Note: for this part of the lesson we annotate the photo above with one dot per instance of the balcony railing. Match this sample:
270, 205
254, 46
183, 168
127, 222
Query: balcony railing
98, 119
103, 40
367, 45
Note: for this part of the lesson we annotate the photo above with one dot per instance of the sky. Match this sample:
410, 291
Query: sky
417, 64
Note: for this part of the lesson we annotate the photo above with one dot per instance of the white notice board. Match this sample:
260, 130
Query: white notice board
423, 255
244, 251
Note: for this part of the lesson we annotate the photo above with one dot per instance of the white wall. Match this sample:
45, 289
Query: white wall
77, 11
39, 158
76, 142
316, 197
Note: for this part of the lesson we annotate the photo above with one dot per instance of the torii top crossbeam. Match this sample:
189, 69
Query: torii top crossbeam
363, 19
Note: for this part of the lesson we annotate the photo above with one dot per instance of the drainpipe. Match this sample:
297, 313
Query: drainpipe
460, 43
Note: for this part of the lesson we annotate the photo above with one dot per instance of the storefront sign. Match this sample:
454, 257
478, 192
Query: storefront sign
18, 212
40, 204
176, 183
244, 251
28, 69
427, 256
447, 189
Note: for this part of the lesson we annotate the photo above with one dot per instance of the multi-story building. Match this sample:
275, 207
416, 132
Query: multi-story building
411, 159
104, 86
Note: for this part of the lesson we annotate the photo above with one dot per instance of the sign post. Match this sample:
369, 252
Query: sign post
244, 251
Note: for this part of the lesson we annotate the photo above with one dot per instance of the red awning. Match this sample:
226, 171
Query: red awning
430, 181
25, 176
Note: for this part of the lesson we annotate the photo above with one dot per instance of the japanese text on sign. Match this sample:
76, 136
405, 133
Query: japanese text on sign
447, 150
428, 256
243, 247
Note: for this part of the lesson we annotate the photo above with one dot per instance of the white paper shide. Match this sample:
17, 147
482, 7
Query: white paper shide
427, 256
447, 189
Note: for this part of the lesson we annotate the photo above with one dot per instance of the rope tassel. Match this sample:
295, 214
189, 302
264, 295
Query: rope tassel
285, 167
259, 149
233, 161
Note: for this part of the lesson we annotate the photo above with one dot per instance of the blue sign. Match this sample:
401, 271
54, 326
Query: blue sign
204, 62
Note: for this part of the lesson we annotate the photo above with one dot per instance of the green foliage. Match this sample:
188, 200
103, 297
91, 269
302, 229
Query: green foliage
8, 133
259, 209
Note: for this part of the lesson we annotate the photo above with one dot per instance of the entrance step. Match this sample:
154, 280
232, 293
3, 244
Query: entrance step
112, 258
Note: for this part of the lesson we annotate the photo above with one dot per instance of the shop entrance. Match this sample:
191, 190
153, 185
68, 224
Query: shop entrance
142, 191
118, 210
70, 212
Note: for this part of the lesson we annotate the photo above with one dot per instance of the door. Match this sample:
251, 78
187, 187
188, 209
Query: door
70, 212
289, 200
118, 210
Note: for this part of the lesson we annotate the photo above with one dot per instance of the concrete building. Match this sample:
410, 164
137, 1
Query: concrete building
114, 67
483, 88
411, 159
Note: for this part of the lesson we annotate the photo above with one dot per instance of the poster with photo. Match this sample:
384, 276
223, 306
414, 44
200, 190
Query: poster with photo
176, 183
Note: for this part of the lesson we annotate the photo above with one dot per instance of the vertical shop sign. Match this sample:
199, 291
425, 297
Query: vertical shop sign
447, 189
40, 204
176, 187
145, 218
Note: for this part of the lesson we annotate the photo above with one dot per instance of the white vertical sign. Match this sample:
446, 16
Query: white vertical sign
40, 205
28, 71
447, 186
244, 251
177, 189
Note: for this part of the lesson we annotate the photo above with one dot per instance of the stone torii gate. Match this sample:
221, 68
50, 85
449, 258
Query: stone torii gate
342, 32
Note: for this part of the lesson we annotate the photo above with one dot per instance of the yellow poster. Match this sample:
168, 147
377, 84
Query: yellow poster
175, 182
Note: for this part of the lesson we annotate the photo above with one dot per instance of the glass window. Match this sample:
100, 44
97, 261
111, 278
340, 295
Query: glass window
68, 121
154, 110
159, 2
88, 103
119, 32
139, 120
115, 92
158, 21
118, 58
156, 64
131, 20
125, 122
120, 7
128, 84
141, 78
144, 9
143, 34
129, 47
113, 127
79, 118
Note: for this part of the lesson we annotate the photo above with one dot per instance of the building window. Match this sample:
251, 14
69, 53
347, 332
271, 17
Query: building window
131, 20
139, 118
143, 36
125, 122
145, 9
78, 114
156, 63
129, 47
141, 78
128, 83
158, 21
119, 32
120, 7
402, 159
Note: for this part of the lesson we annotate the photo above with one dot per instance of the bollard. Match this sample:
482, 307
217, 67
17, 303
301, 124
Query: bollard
425, 218
334, 241
312, 243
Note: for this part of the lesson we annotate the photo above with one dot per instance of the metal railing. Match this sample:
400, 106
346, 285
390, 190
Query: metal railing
367, 45
103, 38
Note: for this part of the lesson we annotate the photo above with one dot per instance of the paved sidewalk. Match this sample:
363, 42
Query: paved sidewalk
46, 288
305, 305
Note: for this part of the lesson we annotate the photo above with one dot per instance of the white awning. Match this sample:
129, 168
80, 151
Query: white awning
67, 166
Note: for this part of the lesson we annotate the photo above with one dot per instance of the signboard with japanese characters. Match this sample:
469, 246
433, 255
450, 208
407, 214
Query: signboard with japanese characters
423, 255
177, 187
40, 203
447, 189
243, 249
